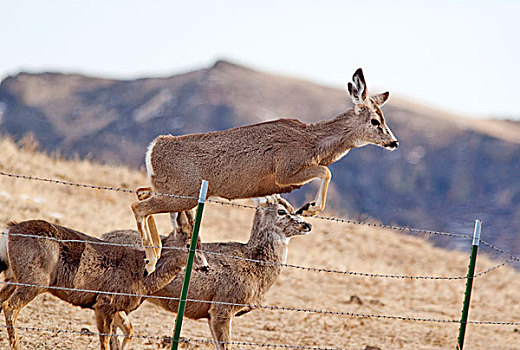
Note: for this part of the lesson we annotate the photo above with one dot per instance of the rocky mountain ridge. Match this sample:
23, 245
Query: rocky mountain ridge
447, 172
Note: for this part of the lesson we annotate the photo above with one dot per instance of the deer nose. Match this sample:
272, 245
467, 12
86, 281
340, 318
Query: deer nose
307, 227
204, 268
394, 144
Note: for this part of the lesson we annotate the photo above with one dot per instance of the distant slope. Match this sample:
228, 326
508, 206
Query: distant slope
113, 121
447, 172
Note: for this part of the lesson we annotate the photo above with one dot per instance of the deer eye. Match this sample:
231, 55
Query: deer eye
188, 246
281, 212
375, 122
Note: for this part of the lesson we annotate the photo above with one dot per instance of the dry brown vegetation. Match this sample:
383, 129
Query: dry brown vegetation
331, 245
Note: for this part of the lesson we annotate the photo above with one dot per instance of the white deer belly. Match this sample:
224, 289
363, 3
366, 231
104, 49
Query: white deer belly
339, 156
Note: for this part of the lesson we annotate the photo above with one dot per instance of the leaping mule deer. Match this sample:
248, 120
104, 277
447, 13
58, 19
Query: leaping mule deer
257, 160
36, 258
231, 281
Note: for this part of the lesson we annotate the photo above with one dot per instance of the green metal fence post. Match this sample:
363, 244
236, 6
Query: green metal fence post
469, 285
189, 264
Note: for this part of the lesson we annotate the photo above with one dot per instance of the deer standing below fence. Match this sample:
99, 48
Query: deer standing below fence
256, 160
232, 280
41, 261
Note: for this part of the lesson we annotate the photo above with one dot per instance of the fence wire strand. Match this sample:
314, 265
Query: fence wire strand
239, 205
347, 221
263, 307
232, 204
298, 267
168, 339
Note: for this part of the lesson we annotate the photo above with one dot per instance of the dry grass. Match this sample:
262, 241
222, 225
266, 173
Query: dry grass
334, 245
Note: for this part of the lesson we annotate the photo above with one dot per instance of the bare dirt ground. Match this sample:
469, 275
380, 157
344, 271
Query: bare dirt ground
49, 323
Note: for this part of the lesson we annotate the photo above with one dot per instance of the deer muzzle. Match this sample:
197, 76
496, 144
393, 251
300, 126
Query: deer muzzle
392, 145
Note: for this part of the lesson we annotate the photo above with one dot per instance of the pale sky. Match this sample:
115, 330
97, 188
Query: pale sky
459, 56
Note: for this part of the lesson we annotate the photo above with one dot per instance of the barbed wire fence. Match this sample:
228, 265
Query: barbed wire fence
510, 258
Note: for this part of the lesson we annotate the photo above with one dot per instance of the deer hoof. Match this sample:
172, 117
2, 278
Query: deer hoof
308, 209
303, 209
149, 267
204, 269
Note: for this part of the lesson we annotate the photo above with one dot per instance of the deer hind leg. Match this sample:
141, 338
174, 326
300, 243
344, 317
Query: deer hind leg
19, 298
5, 293
156, 205
220, 326
142, 194
306, 175
121, 320
104, 326
151, 259
154, 233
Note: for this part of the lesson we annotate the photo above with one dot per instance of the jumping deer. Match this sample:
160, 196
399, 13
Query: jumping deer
232, 280
46, 261
257, 160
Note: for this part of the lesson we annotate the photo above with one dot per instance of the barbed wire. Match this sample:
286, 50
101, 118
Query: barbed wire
162, 338
274, 263
232, 204
184, 339
95, 187
263, 307
501, 251
263, 345
363, 274
240, 205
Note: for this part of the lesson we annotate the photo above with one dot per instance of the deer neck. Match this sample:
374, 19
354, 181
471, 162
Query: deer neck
168, 267
334, 138
266, 245
271, 250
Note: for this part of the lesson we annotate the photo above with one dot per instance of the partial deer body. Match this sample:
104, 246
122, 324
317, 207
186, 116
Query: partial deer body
257, 160
233, 280
46, 261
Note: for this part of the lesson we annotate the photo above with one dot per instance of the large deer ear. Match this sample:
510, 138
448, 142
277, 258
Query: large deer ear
381, 98
359, 80
190, 216
285, 204
353, 93
271, 200
185, 221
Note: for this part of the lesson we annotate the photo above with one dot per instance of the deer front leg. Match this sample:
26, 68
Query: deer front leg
11, 315
6, 292
19, 298
320, 172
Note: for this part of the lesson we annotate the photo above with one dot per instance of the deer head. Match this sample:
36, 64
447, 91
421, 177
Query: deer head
372, 122
182, 236
279, 216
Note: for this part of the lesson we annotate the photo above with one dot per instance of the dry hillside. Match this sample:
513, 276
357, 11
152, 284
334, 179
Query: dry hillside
448, 168
332, 245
